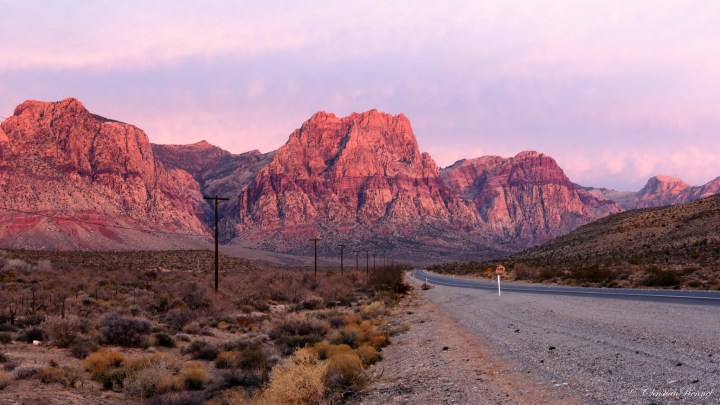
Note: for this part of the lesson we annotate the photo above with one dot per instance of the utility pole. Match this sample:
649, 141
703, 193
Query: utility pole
367, 262
217, 261
374, 257
357, 260
315, 240
342, 248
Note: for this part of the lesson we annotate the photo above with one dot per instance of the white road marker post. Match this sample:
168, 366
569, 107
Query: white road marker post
500, 269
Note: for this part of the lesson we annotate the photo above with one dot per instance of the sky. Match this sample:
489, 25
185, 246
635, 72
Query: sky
615, 91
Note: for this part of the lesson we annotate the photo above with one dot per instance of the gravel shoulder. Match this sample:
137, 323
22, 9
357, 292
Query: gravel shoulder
525, 348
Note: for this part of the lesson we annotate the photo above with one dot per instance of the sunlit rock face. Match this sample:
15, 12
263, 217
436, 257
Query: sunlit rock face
363, 177
60, 160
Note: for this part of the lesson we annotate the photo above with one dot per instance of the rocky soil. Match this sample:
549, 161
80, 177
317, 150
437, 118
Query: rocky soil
470, 346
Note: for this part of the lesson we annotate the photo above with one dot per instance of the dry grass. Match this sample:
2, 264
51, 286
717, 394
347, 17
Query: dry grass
301, 380
5, 379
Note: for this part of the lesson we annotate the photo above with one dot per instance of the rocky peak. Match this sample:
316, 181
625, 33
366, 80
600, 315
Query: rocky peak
663, 184
62, 158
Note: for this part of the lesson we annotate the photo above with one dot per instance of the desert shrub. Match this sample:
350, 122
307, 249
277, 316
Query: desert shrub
63, 331
58, 375
194, 375
177, 398
10, 365
252, 357
192, 328
105, 367
661, 278
195, 297
152, 375
367, 331
228, 359
299, 381
164, 340
124, 331
7, 327
30, 320
83, 347
5, 338
375, 309
368, 354
297, 325
5, 380
3, 358
525, 272
389, 278
30, 334
242, 378
201, 350
25, 372
178, 318
345, 369
592, 274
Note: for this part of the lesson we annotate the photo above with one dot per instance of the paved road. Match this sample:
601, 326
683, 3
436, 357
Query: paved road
711, 298
587, 346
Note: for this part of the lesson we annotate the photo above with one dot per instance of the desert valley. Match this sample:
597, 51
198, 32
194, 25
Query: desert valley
397, 202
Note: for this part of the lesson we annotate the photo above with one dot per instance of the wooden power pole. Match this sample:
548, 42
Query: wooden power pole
217, 261
315, 240
367, 262
357, 260
342, 248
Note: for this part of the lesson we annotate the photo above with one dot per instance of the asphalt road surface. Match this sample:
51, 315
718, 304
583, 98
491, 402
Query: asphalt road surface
588, 345
666, 296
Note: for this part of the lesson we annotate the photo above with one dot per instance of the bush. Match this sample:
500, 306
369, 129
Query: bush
25, 372
104, 367
34, 333
30, 320
6, 327
63, 331
368, 354
194, 375
298, 331
150, 375
253, 357
82, 348
389, 278
5, 338
202, 350
5, 380
58, 375
299, 381
345, 369
178, 318
661, 278
124, 331
164, 340
178, 398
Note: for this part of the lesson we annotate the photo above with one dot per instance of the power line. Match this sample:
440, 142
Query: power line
73, 219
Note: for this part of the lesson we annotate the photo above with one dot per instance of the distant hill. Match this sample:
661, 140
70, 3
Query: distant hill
639, 246
674, 246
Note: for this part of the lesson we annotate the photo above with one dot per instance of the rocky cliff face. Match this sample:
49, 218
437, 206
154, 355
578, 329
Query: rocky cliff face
217, 171
363, 177
61, 161
526, 197
659, 191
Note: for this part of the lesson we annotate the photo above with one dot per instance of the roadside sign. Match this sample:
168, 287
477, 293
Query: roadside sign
500, 269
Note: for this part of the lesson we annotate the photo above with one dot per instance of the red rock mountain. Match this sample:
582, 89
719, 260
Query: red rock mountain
527, 196
359, 179
61, 161
362, 179
217, 171
659, 191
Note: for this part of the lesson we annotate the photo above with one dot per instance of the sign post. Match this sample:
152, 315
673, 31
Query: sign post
500, 269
